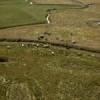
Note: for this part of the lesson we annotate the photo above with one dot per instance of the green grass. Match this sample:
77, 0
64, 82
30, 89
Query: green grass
69, 74
14, 13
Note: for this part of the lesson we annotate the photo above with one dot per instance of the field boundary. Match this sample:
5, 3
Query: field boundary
12, 26
67, 45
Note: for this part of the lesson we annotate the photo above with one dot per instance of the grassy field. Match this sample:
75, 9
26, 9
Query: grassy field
64, 75
16, 13
40, 71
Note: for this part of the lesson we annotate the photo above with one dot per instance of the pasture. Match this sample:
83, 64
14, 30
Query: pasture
65, 71
19, 13
59, 60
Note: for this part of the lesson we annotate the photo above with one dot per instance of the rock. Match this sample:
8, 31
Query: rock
8, 47
22, 45
52, 53
46, 46
31, 3
73, 41
37, 45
